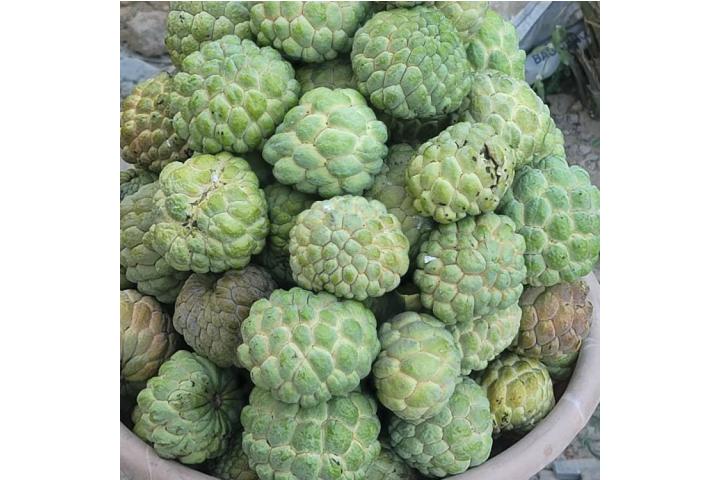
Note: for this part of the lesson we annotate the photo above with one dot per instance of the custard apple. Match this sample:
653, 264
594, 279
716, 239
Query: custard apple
520, 391
211, 307
414, 130
389, 189
334, 440
305, 347
284, 205
410, 63
147, 138
133, 178
310, 32
561, 367
144, 266
231, 95
465, 170
189, 24
212, 214
470, 268
278, 265
557, 211
189, 411
494, 46
514, 110
457, 438
348, 246
418, 366
466, 17
330, 144
389, 466
555, 320
333, 74
483, 338
233, 464
147, 337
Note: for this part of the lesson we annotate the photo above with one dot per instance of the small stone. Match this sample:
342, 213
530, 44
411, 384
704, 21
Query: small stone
573, 119
146, 33
573, 469
547, 475
577, 106
585, 149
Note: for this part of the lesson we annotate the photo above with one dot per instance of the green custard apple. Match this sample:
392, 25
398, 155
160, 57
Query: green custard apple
494, 46
133, 178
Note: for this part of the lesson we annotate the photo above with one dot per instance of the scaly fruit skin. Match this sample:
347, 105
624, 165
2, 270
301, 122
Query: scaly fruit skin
144, 266
410, 63
466, 17
464, 171
561, 367
311, 32
189, 24
233, 464
147, 338
190, 410
389, 466
348, 246
330, 144
212, 214
211, 308
389, 189
231, 95
495, 47
278, 265
133, 178
305, 347
483, 338
470, 268
555, 320
334, 440
284, 205
147, 138
514, 110
333, 74
457, 438
520, 391
418, 366
557, 211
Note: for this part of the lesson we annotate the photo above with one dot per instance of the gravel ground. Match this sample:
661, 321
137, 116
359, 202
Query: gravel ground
142, 56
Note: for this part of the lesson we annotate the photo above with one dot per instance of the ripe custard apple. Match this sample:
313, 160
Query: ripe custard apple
470, 268
212, 214
305, 347
457, 438
557, 211
311, 32
189, 24
231, 95
561, 367
418, 366
348, 246
211, 307
520, 392
330, 144
494, 46
466, 17
333, 74
555, 320
284, 205
389, 189
465, 170
514, 110
233, 464
389, 466
147, 138
334, 440
147, 337
410, 63
483, 338
189, 410
144, 266
133, 178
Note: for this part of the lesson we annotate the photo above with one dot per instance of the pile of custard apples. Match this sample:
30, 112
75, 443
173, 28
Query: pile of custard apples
351, 244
